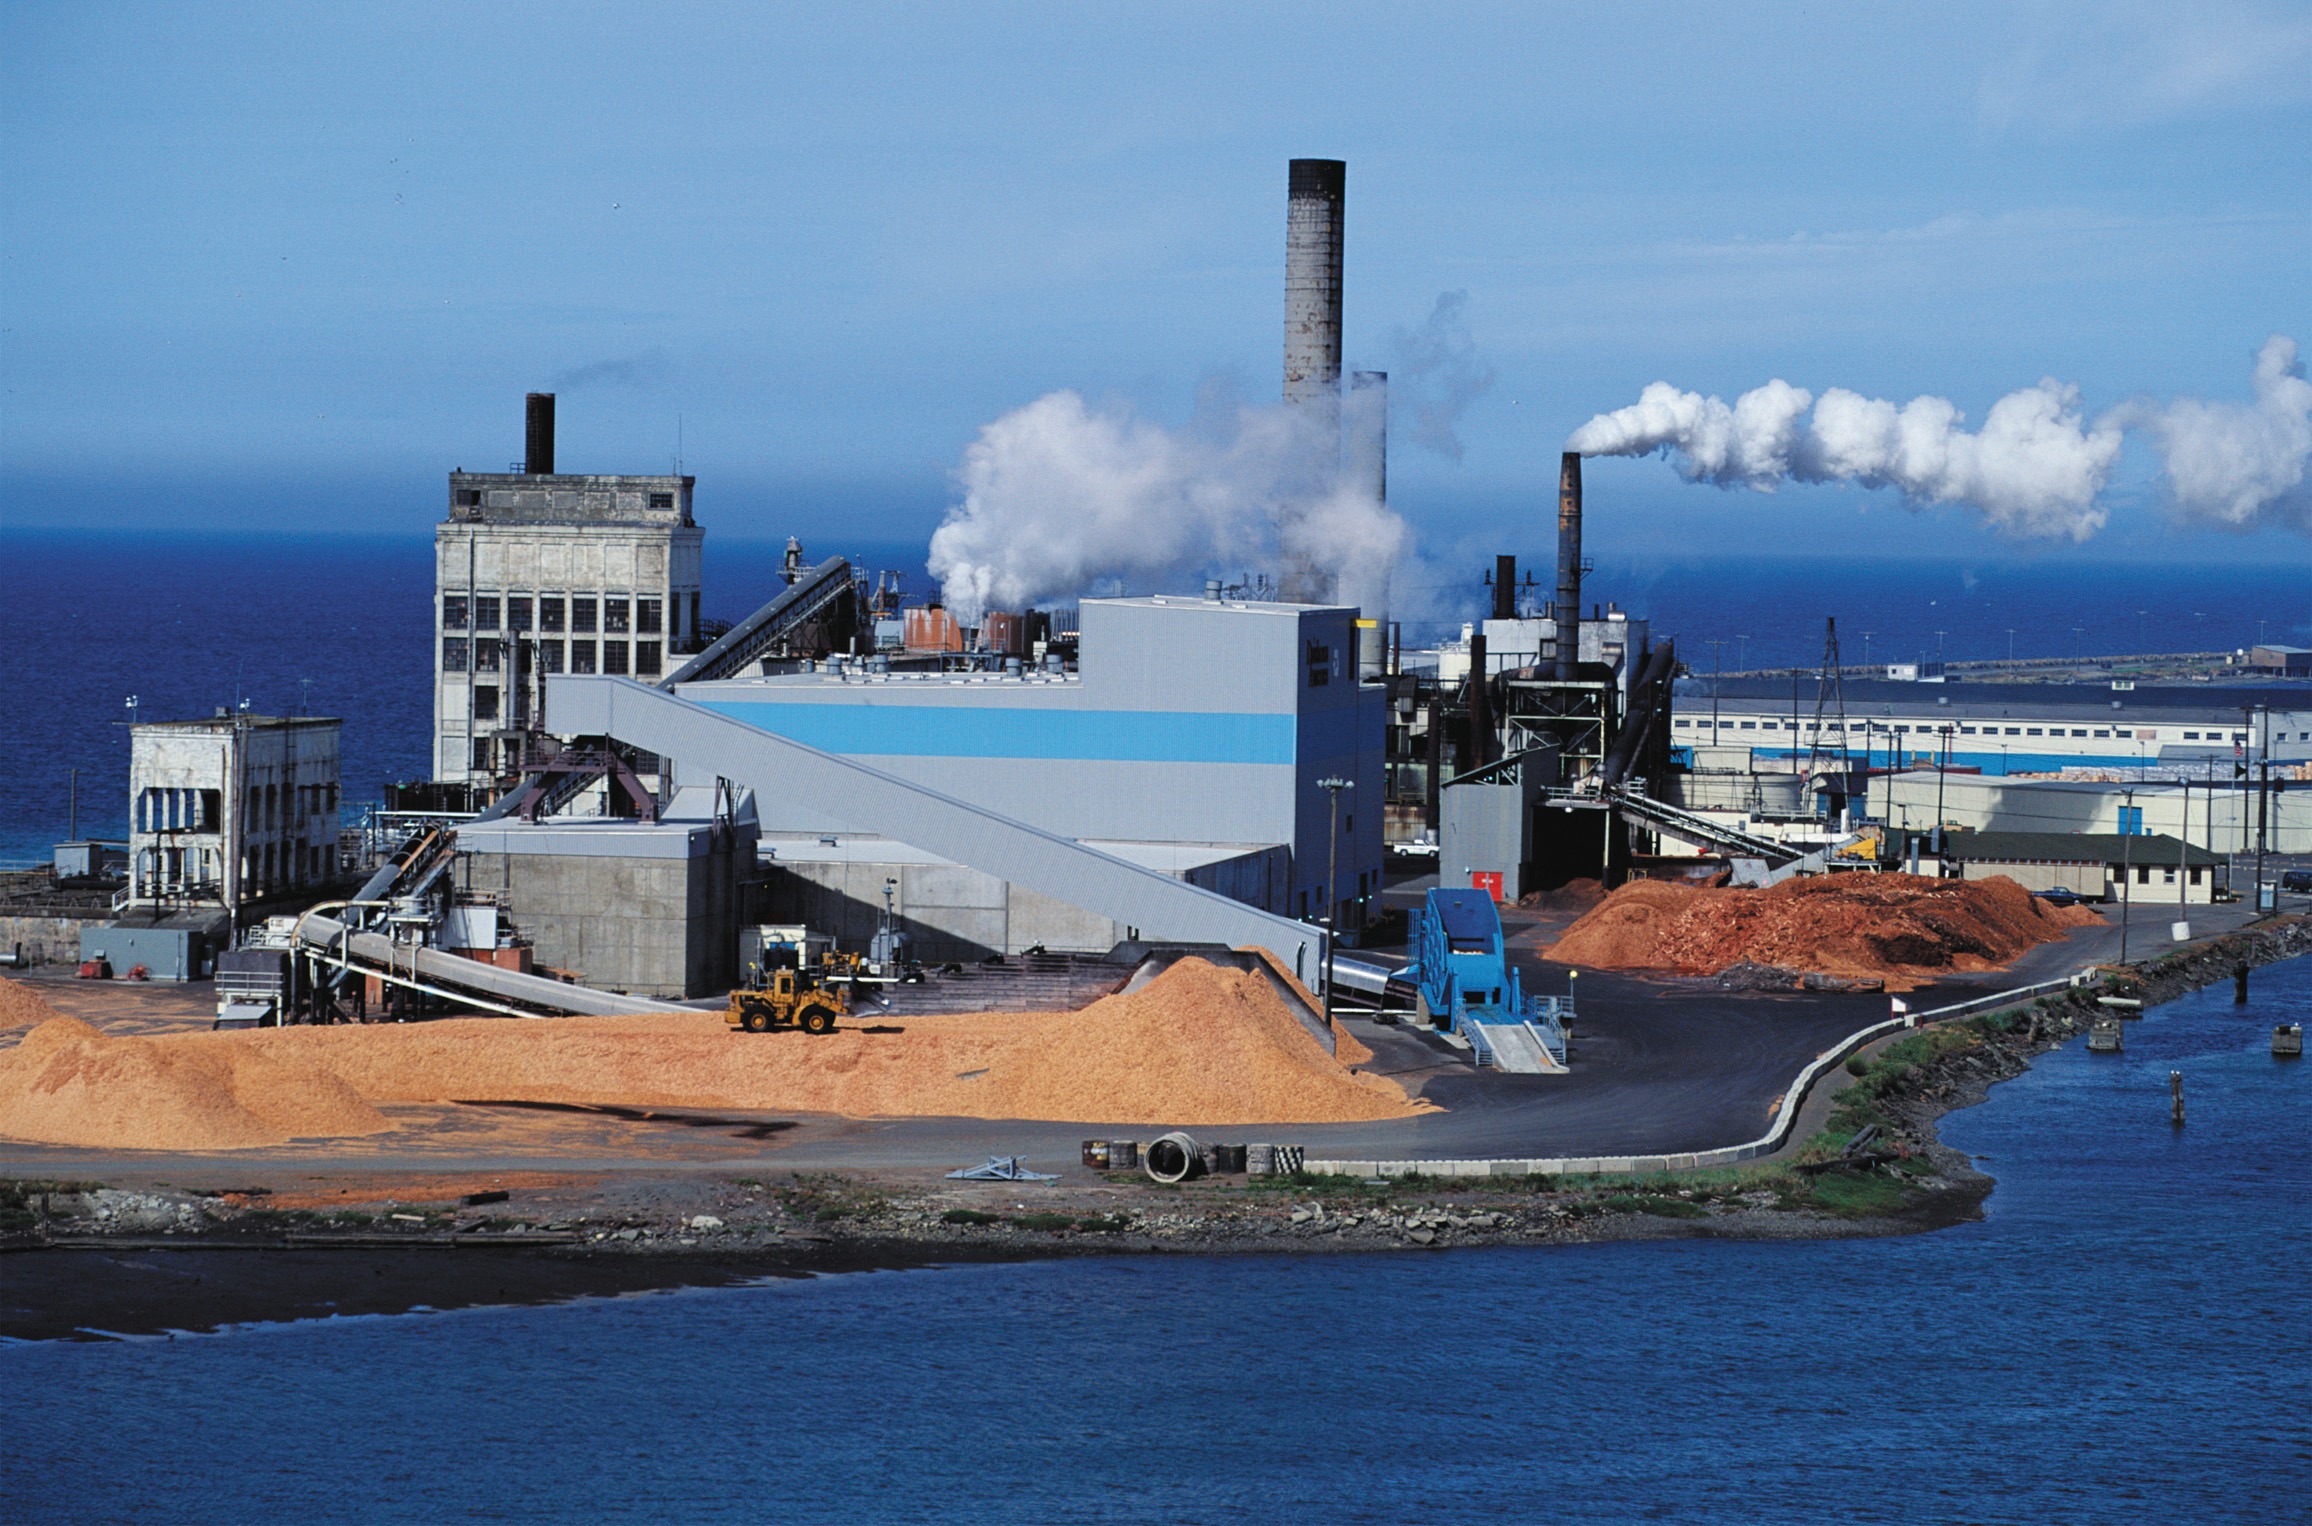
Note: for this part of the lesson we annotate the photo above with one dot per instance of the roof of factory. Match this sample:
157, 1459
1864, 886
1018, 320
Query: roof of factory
2149, 849
1866, 697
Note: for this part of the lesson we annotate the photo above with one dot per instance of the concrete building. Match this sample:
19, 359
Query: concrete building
2005, 728
231, 810
644, 908
2280, 661
537, 573
2096, 865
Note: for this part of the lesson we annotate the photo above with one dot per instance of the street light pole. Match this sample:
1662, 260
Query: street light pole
1332, 785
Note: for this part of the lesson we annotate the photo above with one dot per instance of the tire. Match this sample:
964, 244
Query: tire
818, 1019
757, 1020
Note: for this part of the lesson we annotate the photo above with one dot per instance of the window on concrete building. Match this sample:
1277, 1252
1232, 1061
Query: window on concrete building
582, 616
614, 657
1320, 660
549, 656
486, 612
481, 755
212, 810
2191, 736
488, 656
646, 659
2143, 874
662, 500
518, 612
485, 702
2239, 736
2035, 731
453, 612
469, 497
581, 656
2014, 731
644, 762
2079, 731
453, 654
2104, 733
2195, 877
646, 616
615, 613
1749, 725
550, 608
1967, 731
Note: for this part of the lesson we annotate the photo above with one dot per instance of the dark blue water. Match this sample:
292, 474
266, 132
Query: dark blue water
2122, 1340
341, 627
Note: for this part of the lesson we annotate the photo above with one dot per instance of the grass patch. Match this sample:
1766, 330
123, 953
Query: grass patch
1048, 1223
969, 1216
1853, 1195
1654, 1203
1105, 1223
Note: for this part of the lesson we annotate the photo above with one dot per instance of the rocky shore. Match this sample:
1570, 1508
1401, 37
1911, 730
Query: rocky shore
1875, 1167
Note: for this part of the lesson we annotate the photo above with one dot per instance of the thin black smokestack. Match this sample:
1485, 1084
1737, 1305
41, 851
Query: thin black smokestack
1568, 565
1505, 588
1315, 202
538, 438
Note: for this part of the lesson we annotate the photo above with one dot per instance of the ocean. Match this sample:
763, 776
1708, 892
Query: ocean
2119, 1340
341, 626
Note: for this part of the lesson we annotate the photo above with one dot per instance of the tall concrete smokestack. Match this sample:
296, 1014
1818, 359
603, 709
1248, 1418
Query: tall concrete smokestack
1312, 281
538, 435
1568, 565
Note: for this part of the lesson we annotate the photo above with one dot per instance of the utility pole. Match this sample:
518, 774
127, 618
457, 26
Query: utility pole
72, 806
1942, 770
2126, 870
2263, 802
1332, 785
1716, 642
1866, 635
2184, 856
2010, 644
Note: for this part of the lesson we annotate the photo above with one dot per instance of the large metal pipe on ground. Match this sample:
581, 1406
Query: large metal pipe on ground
1172, 1159
1568, 566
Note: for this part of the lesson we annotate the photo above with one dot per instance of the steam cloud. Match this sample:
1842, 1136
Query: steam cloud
1436, 373
1060, 498
2037, 467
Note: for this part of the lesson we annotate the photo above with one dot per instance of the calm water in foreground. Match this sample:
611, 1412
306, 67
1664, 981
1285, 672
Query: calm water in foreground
2123, 1340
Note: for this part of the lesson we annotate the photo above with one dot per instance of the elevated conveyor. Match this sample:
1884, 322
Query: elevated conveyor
809, 598
1154, 905
339, 947
1699, 830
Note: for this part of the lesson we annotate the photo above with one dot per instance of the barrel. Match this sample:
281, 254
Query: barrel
1123, 1154
1095, 1154
1228, 1159
1174, 1158
1288, 1160
1260, 1160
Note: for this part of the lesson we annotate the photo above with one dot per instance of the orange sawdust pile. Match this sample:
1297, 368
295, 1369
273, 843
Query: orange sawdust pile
1197, 1045
22, 1007
1902, 928
68, 1083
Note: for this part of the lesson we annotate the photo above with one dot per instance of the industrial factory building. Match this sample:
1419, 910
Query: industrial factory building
538, 573
2001, 728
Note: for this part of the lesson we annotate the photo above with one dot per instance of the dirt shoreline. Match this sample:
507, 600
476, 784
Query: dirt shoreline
92, 1262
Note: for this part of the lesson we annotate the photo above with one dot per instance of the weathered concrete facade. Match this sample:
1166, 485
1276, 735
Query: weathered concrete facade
233, 809
646, 909
550, 574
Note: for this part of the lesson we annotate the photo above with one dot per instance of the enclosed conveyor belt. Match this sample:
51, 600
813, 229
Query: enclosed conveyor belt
485, 985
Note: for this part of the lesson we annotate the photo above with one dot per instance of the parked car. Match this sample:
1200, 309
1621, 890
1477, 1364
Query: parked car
2297, 881
2061, 895
1415, 847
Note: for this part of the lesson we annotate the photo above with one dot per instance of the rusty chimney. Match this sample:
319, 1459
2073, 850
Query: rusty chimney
1568, 565
1312, 281
538, 437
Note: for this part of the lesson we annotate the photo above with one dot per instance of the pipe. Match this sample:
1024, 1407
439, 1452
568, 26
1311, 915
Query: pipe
538, 435
1480, 709
1314, 209
1368, 472
1172, 1159
1569, 566
1505, 588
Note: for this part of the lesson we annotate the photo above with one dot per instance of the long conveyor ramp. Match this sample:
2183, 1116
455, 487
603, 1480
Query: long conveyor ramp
338, 946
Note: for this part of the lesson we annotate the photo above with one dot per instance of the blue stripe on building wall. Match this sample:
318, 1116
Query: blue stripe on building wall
945, 731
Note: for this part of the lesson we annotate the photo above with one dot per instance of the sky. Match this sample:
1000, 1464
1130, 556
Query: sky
282, 267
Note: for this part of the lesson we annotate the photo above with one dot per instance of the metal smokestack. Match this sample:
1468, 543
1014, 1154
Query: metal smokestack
1505, 588
1568, 566
1313, 222
538, 436
1368, 468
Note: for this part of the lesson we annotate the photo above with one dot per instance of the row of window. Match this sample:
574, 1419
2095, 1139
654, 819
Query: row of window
1922, 729
488, 655
554, 613
270, 806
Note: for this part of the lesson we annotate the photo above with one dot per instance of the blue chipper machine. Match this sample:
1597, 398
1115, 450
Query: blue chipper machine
1467, 986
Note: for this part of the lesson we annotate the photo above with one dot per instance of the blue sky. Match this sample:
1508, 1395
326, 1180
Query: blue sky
285, 266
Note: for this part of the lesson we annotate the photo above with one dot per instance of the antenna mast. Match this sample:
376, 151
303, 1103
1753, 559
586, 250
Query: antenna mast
1829, 709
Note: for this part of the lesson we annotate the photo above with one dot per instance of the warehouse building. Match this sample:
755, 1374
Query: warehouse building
2095, 865
1192, 738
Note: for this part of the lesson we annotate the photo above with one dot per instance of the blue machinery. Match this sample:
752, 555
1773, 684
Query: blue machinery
1468, 987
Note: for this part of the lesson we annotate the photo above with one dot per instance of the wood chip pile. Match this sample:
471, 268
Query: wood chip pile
1199, 1045
1906, 929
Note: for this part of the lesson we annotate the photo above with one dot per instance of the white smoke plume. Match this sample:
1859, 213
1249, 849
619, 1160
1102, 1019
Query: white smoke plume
2034, 468
2239, 463
1060, 497
1436, 373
